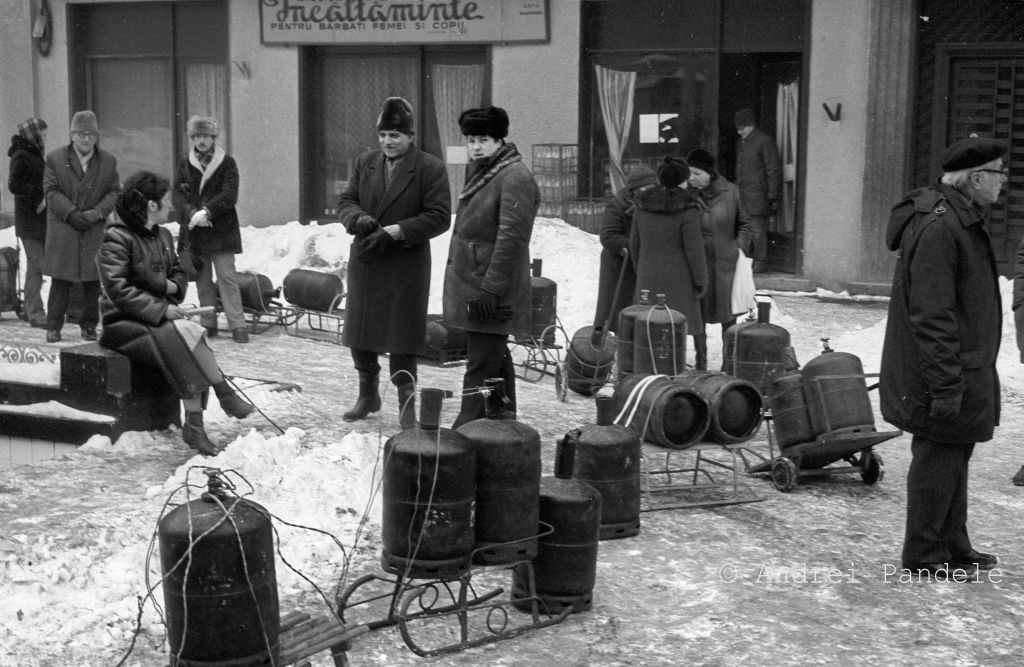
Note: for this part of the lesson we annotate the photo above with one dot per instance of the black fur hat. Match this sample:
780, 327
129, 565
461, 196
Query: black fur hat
488, 121
672, 172
395, 114
699, 158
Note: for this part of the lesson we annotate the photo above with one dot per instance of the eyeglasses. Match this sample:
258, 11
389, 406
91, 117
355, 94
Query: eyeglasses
1004, 173
84, 134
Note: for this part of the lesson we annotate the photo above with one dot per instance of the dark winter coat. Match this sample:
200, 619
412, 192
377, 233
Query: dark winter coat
216, 189
25, 181
616, 225
71, 254
1018, 297
758, 172
669, 250
945, 318
725, 228
490, 246
135, 266
386, 305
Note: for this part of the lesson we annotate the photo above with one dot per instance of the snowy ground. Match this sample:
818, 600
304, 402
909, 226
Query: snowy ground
806, 576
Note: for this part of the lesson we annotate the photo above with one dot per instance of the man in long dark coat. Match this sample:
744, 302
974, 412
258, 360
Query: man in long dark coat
81, 185
938, 378
396, 201
759, 178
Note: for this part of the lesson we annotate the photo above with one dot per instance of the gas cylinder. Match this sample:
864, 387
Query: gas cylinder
661, 410
626, 333
660, 340
607, 457
507, 481
589, 360
313, 290
791, 421
544, 297
565, 568
836, 393
220, 590
758, 351
429, 487
734, 404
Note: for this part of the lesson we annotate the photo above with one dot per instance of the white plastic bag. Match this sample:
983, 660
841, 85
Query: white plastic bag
743, 285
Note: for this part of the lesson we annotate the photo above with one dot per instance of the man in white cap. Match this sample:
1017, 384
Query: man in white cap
81, 186
204, 192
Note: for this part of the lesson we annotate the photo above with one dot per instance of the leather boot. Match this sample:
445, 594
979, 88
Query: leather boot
194, 435
230, 402
407, 406
369, 397
700, 348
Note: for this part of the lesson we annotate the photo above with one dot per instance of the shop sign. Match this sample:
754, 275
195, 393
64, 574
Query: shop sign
403, 21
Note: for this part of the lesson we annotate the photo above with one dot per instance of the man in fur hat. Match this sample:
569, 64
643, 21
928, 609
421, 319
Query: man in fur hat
396, 201
205, 192
938, 374
81, 186
759, 178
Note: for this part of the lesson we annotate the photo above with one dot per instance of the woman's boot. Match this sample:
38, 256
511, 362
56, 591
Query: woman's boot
194, 435
700, 348
407, 406
369, 397
230, 401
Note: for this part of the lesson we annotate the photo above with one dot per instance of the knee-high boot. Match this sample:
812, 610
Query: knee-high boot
700, 348
194, 435
369, 397
230, 401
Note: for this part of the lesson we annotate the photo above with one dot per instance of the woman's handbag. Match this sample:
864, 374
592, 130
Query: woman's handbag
743, 285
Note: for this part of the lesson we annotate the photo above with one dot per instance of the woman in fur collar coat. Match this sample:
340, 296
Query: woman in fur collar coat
143, 287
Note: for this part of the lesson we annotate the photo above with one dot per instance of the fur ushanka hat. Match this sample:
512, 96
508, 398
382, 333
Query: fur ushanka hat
395, 115
487, 121
699, 158
207, 125
85, 121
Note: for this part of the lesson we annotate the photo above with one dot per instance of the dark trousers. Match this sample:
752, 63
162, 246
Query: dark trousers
759, 238
57, 304
487, 356
402, 366
936, 502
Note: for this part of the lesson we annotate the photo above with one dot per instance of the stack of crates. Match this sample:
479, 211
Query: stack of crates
555, 169
585, 213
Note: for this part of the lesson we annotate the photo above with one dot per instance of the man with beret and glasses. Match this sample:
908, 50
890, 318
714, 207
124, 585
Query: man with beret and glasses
938, 374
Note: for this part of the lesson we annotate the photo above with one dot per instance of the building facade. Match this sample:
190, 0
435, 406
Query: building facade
860, 95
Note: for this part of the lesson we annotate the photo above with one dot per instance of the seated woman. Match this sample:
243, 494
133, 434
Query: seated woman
143, 283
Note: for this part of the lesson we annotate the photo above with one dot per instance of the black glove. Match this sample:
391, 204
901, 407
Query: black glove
373, 247
363, 226
487, 305
946, 408
77, 220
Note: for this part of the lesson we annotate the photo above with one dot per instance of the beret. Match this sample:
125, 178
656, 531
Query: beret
972, 152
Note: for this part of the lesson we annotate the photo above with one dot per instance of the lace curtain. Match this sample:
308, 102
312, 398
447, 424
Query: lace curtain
615, 90
206, 92
787, 103
456, 88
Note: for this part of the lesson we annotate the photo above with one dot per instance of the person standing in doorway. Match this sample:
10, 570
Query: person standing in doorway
487, 280
759, 177
81, 186
205, 194
396, 201
938, 373
25, 181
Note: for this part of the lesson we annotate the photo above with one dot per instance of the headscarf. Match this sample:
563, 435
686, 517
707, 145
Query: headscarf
32, 131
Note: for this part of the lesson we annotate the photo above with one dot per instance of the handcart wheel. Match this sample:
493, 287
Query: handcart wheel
873, 471
784, 475
561, 386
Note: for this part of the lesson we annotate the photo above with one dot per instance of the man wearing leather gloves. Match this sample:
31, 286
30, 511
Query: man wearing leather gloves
396, 201
487, 280
938, 374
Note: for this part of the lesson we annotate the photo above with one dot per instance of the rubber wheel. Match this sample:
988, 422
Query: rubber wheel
561, 387
872, 472
784, 474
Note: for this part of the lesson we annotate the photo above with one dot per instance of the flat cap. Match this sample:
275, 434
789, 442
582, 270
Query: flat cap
972, 152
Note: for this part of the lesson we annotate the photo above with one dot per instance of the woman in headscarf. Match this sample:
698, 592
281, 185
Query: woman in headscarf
143, 287
726, 228
25, 181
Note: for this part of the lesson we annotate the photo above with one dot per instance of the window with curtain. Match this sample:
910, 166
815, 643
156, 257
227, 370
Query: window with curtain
206, 93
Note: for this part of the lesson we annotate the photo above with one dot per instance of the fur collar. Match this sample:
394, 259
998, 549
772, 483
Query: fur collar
659, 199
216, 161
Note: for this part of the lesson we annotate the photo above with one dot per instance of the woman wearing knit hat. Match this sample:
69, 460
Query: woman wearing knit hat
726, 228
487, 281
396, 201
667, 245
25, 182
616, 225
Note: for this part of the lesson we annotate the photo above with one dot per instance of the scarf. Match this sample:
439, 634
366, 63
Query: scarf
204, 158
487, 169
31, 130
